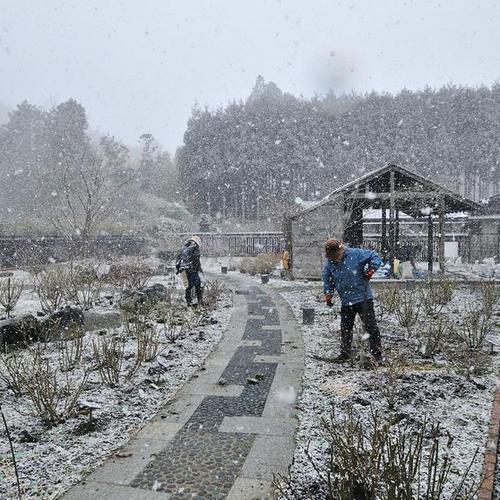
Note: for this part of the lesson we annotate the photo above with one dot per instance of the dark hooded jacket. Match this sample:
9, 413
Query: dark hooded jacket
189, 258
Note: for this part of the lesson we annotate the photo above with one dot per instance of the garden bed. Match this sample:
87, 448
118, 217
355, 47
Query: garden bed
447, 393
106, 384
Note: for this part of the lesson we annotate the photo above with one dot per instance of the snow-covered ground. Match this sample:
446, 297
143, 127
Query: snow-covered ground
461, 406
427, 388
50, 460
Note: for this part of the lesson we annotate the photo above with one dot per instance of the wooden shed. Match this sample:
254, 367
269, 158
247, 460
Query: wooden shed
392, 189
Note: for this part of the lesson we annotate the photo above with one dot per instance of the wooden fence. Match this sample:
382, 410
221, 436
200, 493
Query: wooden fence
239, 244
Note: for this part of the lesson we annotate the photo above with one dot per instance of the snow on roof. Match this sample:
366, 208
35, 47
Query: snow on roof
376, 213
454, 198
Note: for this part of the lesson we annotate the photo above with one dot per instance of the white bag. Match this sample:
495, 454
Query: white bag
407, 271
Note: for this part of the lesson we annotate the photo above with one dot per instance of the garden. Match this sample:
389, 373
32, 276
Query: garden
90, 352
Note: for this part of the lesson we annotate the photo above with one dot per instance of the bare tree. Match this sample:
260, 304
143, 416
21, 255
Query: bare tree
85, 196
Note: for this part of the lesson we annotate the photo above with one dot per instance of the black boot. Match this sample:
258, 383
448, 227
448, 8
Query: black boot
343, 356
199, 296
188, 297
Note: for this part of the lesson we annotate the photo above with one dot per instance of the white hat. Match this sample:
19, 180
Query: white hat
196, 239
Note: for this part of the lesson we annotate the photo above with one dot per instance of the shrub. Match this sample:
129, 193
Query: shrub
407, 310
433, 336
10, 291
129, 275
213, 291
70, 353
84, 286
443, 289
148, 344
391, 387
53, 400
474, 328
173, 319
468, 362
380, 460
266, 263
248, 265
387, 297
490, 294
432, 307
52, 285
12, 370
109, 353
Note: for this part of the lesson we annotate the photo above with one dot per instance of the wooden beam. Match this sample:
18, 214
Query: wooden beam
391, 223
430, 243
441, 235
396, 231
398, 195
383, 246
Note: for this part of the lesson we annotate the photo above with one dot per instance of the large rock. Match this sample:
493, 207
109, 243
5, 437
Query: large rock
133, 301
19, 331
64, 324
101, 319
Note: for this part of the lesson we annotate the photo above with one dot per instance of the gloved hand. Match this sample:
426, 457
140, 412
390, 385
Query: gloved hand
328, 299
369, 273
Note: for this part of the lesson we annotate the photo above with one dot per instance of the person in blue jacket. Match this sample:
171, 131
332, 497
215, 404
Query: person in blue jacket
348, 270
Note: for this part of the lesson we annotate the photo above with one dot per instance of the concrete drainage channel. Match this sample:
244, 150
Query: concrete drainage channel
229, 429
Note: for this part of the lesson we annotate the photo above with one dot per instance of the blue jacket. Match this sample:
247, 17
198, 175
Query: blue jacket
348, 276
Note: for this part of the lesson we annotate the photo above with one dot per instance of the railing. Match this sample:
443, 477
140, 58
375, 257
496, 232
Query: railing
417, 246
239, 244
21, 251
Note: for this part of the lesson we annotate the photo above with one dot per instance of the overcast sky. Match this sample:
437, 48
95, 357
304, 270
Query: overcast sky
139, 65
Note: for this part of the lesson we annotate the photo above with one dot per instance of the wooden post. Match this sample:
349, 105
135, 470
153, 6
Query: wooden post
430, 243
397, 243
441, 234
391, 222
287, 227
383, 245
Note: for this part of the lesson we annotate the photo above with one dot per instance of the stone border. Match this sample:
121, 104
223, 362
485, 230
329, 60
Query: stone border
487, 486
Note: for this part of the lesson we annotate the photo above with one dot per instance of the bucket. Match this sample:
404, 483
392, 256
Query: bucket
308, 316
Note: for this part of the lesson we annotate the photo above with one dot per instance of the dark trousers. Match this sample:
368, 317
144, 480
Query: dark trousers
194, 281
367, 315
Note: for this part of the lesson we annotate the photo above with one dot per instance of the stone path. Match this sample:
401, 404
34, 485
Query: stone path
230, 428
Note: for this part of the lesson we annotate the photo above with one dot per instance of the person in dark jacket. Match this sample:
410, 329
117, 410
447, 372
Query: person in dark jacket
348, 270
188, 261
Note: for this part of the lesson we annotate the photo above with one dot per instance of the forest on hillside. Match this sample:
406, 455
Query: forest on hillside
254, 159
246, 163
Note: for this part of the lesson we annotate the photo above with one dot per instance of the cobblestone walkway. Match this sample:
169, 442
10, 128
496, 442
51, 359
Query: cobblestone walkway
230, 428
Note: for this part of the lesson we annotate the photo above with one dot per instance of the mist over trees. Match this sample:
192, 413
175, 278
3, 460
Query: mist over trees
254, 158
248, 161
60, 178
